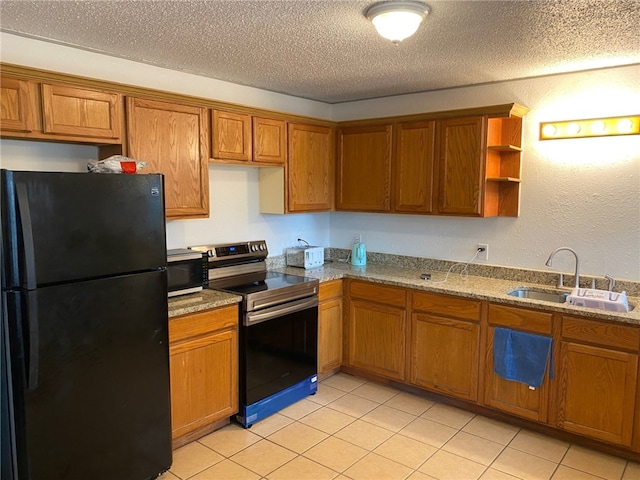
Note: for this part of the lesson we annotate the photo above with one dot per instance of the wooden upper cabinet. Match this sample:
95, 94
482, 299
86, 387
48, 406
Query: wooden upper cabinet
58, 112
305, 182
243, 138
173, 139
310, 168
269, 140
81, 112
364, 168
413, 167
461, 165
231, 136
18, 105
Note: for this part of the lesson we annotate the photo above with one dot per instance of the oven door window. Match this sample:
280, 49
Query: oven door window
278, 353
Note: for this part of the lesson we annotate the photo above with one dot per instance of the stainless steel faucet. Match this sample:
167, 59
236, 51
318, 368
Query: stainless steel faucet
577, 274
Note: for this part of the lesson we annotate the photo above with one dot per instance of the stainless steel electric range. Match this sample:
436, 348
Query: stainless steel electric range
278, 328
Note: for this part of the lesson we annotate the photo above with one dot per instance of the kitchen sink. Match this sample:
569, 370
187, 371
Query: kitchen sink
555, 296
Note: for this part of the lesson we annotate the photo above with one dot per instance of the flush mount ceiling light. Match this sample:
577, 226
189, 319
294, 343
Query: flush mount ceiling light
594, 127
397, 20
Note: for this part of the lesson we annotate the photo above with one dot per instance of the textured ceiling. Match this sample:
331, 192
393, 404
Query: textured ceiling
328, 50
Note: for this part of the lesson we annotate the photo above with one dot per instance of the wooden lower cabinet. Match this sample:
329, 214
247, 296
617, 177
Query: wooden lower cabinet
506, 395
445, 344
377, 329
330, 327
597, 379
204, 370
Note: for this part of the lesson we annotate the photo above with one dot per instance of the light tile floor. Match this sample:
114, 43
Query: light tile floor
359, 430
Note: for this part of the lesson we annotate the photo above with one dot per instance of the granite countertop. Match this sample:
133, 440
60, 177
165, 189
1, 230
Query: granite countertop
476, 287
204, 300
481, 288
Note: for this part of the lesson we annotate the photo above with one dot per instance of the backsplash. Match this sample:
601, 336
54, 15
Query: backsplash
539, 277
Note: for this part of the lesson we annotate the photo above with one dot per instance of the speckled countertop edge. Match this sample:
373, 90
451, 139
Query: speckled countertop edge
197, 302
480, 288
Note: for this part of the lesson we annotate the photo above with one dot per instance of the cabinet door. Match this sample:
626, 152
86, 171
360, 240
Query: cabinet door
377, 335
310, 168
513, 397
509, 396
445, 355
269, 140
231, 136
364, 168
173, 140
414, 189
596, 395
329, 335
461, 150
18, 105
81, 112
204, 381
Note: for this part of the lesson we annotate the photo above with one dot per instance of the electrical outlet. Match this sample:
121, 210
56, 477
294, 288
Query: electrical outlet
357, 238
483, 254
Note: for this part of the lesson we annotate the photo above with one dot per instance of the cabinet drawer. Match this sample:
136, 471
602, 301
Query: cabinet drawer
378, 293
446, 305
520, 318
600, 333
201, 323
330, 290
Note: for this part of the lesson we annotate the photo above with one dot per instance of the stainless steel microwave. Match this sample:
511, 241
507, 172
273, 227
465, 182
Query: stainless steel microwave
187, 271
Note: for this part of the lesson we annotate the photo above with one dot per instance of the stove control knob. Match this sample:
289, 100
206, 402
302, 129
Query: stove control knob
262, 246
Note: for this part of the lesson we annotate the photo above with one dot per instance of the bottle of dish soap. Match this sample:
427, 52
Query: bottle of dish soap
358, 254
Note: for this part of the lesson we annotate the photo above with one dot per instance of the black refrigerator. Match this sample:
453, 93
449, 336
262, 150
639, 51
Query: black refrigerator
85, 359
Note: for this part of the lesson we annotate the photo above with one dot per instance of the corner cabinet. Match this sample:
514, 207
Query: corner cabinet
364, 168
203, 357
173, 139
598, 380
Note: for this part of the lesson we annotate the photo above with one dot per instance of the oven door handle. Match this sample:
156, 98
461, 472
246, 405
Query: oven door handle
253, 318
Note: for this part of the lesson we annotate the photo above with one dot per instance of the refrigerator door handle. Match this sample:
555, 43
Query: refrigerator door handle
27, 236
31, 284
34, 348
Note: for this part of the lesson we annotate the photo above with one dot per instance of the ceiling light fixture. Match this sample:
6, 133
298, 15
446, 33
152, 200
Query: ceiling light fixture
397, 20
594, 127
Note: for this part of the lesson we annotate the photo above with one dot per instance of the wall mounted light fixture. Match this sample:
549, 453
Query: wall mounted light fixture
397, 20
593, 127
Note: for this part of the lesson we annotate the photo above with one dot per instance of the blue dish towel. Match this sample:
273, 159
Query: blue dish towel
520, 356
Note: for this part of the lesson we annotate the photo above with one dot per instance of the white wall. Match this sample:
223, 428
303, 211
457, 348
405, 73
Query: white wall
583, 193
579, 193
